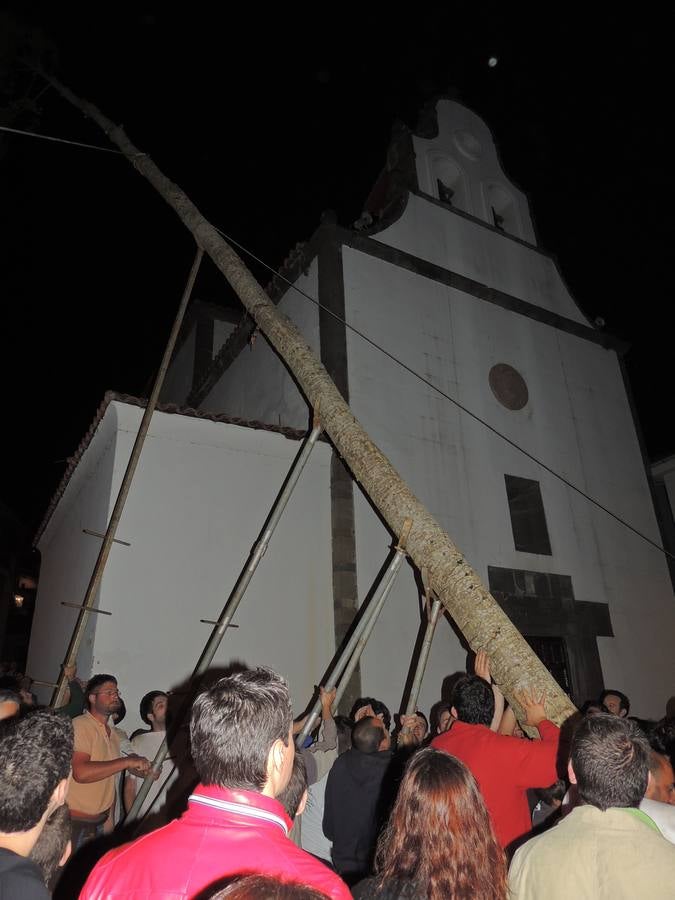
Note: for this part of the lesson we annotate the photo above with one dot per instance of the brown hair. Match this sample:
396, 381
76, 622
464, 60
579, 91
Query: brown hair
440, 835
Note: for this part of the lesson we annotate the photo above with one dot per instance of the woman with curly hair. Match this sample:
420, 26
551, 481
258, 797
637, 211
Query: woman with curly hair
439, 843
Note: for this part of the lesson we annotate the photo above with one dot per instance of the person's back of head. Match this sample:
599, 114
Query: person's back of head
473, 701
265, 887
344, 727
439, 834
35, 757
378, 707
52, 847
615, 702
234, 726
609, 761
293, 795
367, 735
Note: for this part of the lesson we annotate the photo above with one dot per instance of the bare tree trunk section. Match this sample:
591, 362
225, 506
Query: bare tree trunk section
476, 613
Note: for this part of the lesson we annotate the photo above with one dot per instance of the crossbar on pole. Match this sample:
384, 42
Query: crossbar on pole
234, 599
95, 580
359, 636
98, 534
100, 612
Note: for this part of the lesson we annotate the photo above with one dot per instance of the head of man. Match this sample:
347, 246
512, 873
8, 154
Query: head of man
369, 706
103, 696
35, 757
9, 703
661, 785
609, 762
153, 710
473, 701
615, 703
53, 847
370, 736
293, 798
241, 732
421, 726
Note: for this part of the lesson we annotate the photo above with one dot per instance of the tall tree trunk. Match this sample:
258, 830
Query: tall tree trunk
476, 613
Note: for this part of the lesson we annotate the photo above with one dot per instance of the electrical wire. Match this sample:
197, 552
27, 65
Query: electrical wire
446, 396
58, 140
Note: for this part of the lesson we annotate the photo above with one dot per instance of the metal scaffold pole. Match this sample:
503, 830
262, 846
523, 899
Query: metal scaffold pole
346, 663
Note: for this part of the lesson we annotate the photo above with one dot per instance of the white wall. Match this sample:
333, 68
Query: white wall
201, 494
577, 421
447, 239
257, 385
67, 559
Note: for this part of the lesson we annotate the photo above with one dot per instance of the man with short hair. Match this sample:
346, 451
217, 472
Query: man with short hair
504, 766
35, 755
96, 761
659, 799
10, 702
243, 751
356, 800
606, 848
153, 710
616, 703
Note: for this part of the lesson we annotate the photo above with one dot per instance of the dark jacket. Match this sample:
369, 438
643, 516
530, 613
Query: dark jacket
359, 793
20, 878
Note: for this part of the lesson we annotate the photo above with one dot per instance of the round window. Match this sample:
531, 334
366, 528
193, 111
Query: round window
508, 386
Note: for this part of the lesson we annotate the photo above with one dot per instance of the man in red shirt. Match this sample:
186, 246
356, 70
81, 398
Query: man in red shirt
242, 748
504, 767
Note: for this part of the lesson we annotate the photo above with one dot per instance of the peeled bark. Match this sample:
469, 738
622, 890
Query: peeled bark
479, 617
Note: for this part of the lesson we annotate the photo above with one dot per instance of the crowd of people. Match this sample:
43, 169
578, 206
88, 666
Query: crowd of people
463, 804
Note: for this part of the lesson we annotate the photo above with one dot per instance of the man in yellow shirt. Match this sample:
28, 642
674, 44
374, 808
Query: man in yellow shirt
96, 761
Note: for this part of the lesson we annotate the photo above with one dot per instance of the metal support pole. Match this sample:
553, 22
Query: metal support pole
344, 666
432, 619
230, 607
104, 552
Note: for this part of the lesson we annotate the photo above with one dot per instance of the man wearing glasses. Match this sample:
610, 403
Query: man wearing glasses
96, 762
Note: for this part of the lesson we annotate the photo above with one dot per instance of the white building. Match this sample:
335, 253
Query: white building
443, 272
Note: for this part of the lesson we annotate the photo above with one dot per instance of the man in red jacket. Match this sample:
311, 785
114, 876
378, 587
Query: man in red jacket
504, 767
243, 751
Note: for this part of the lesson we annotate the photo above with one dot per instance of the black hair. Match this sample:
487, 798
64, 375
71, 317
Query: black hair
662, 738
51, 845
35, 755
344, 727
292, 794
367, 735
474, 701
146, 704
435, 714
610, 758
555, 791
94, 683
623, 699
119, 714
234, 725
377, 706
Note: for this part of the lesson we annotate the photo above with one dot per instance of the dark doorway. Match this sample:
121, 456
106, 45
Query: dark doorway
553, 653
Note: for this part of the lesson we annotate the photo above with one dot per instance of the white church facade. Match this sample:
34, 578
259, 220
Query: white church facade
442, 278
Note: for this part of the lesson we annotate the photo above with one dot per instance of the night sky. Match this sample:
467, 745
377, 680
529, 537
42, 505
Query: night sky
268, 119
